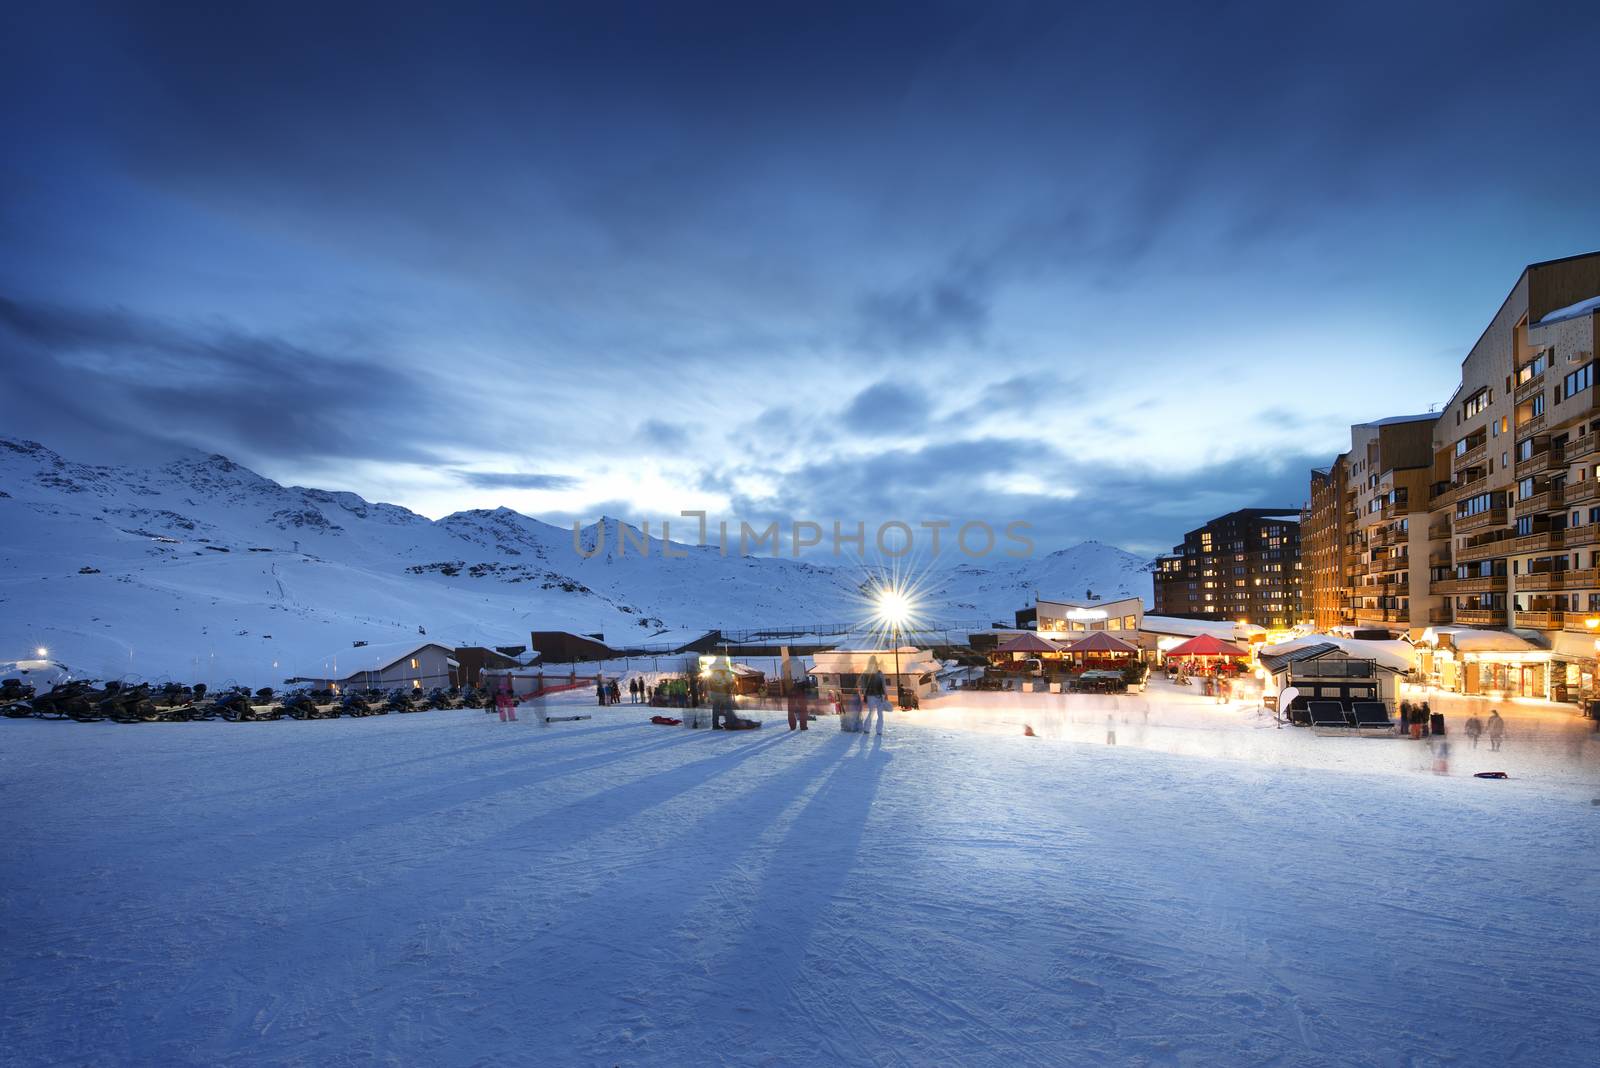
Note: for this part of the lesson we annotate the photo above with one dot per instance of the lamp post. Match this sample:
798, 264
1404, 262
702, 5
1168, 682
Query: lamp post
893, 607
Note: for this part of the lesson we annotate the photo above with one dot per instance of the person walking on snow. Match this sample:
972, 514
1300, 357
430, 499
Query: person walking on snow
1497, 730
872, 688
1474, 728
599, 690
720, 685
795, 695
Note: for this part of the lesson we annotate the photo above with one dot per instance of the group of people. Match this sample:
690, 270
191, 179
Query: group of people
606, 692
1475, 728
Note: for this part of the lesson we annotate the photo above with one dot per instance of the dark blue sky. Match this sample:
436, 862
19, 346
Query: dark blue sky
1110, 271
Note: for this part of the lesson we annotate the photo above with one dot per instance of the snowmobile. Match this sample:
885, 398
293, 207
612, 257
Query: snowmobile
128, 704
300, 706
400, 701
355, 705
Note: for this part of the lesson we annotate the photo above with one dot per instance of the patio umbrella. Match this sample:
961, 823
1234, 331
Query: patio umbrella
1101, 642
1206, 645
1028, 643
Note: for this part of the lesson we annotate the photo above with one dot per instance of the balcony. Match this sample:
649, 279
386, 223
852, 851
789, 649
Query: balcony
1383, 536
1487, 550
1531, 425
1482, 584
1444, 587
1382, 615
1440, 615
1493, 517
1541, 460
1481, 617
1573, 537
1579, 622
1439, 531
1439, 558
1391, 563
1540, 620
1530, 387
1394, 509
1581, 448
1538, 542
1548, 580
1581, 578
1539, 502
1473, 457
1580, 492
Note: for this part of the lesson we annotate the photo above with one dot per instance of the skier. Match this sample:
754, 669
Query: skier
599, 690
1474, 729
872, 688
1497, 730
720, 686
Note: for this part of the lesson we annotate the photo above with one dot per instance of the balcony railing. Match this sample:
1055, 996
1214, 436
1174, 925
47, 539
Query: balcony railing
1548, 580
1439, 558
1580, 579
1482, 584
1540, 620
1493, 517
1530, 387
1440, 615
1480, 617
1394, 509
1539, 502
1531, 425
1532, 543
1489, 550
1444, 587
1541, 460
1589, 534
1473, 457
1439, 531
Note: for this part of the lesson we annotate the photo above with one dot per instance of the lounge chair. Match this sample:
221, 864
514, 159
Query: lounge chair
1327, 714
1372, 715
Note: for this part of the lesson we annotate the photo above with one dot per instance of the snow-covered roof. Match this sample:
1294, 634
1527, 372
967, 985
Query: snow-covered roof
1395, 655
912, 660
1571, 311
364, 658
1226, 629
37, 672
1475, 640
1393, 419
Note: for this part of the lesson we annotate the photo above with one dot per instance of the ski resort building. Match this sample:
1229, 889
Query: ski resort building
386, 666
841, 670
1076, 617
1244, 565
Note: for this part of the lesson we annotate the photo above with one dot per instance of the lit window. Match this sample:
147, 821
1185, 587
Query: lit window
414, 664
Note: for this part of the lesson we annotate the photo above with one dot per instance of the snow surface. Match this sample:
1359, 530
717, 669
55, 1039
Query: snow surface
442, 888
1582, 307
203, 571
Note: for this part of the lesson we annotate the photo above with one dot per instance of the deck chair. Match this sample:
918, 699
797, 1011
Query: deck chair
1372, 714
1327, 714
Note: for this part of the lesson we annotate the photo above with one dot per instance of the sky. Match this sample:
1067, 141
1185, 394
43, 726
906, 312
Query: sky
1110, 271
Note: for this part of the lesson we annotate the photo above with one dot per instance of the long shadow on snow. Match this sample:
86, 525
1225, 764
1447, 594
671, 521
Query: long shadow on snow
798, 888
531, 735
291, 837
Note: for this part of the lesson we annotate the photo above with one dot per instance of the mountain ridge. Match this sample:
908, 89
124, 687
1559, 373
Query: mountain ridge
202, 568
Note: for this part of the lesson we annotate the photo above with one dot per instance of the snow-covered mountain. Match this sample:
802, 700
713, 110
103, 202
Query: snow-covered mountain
202, 569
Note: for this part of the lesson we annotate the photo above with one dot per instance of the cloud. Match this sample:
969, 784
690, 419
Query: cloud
928, 315
661, 433
253, 395
886, 407
515, 480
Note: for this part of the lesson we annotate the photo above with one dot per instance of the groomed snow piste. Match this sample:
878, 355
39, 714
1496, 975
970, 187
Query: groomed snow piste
443, 889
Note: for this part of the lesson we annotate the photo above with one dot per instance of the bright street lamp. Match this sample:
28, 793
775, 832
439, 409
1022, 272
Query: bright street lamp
894, 608
42, 652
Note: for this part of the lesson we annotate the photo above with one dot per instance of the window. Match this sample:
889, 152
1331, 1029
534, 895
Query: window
1577, 381
1537, 407
1475, 403
414, 664
1532, 369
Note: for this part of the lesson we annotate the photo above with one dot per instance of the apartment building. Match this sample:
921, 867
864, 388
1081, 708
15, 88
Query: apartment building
1325, 554
1515, 465
1243, 566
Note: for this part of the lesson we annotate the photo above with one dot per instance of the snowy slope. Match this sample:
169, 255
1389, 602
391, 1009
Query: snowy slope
204, 570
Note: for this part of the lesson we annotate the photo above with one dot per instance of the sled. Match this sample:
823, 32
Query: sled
1490, 775
563, 719
665, 721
